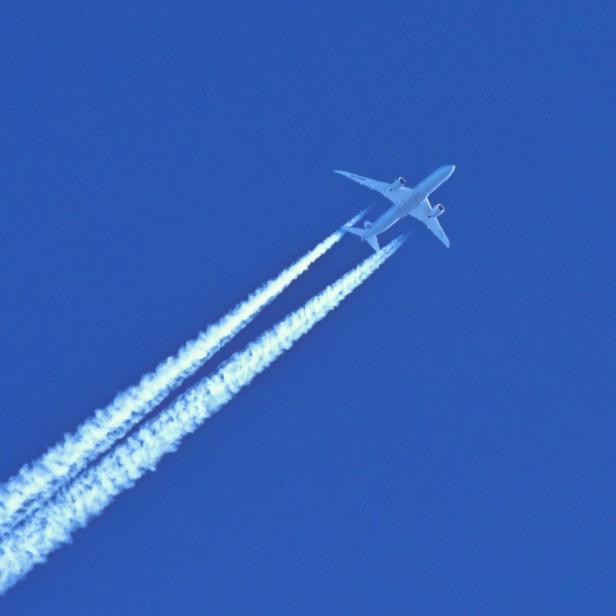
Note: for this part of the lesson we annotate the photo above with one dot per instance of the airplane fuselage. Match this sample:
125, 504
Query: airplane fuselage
397, 211
409, 199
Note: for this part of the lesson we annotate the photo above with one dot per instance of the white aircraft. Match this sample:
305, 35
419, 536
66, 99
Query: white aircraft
406, 202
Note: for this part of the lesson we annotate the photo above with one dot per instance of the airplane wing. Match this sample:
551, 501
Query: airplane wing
380, 187
422, 213
435, 226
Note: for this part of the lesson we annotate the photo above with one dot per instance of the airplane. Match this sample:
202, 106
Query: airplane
406, 202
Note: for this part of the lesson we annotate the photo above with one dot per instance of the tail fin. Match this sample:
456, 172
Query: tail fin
372, 240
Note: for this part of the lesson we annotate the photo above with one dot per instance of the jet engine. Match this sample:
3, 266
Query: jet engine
437, 210
396, 184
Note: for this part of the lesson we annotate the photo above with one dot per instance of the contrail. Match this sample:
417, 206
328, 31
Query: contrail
90, 493
39, 480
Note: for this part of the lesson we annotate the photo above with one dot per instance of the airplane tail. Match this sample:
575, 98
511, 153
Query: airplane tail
361, 233
355, 231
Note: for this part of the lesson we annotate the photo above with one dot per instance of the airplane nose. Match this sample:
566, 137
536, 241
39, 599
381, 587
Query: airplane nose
447, 170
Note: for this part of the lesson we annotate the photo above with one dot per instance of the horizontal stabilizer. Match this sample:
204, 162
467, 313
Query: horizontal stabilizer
374, 243
355, 231
372, 239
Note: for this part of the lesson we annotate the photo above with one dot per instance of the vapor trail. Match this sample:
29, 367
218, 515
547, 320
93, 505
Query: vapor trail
39, 480
89, 494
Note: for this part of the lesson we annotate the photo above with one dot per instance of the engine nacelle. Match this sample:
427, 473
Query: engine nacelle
437, 210
396, 184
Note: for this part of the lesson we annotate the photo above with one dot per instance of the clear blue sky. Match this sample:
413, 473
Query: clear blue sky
443, 442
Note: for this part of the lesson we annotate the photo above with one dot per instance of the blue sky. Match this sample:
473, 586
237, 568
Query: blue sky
441, 443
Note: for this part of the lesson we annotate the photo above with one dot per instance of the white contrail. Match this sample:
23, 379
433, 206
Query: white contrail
90, 493
37, 481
